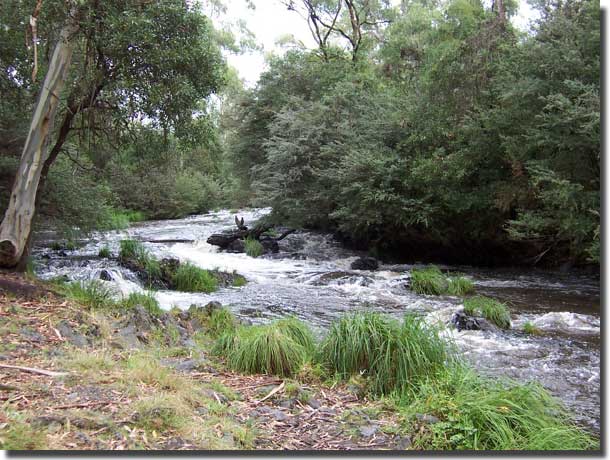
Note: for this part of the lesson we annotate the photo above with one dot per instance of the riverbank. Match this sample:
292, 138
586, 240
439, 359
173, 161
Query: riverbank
95, 385
74, 377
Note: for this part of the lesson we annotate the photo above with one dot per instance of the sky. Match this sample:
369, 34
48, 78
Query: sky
271, 20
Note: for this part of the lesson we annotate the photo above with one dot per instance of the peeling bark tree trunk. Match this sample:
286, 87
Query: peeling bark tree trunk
16, 225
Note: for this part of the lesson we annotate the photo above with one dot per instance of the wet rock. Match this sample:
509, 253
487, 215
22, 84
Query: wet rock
288, 403
141, 319
368, 431
212, 306
68, 333
426, 418
270, 245
126, 338
365, 263
465, 322
297, 256
188, 365
105, 275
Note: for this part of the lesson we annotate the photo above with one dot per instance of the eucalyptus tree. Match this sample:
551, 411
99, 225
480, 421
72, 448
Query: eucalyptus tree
106, 65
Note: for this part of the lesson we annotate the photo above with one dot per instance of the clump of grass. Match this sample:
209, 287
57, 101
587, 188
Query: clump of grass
459, 286
530, 328
104, 252
253, 247
93, 294
189, 278
280, 348
120, 219
162, 412
429, 280
476, 413
490, 309
394, 356
354, 342
413, 353
299, 332
239, 281
146, 300
134, 252
221, 321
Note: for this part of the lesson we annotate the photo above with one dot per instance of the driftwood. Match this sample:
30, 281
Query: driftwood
33, 370
225, 239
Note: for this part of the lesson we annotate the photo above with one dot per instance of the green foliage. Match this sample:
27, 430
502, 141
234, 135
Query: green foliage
480, 414
429, 280
92, 294
265, 349
189, 278
253, 247
530, 328
221, 321
298, 331
394, 356
134, 251
239, 281
19, 434
104, 252
490, 309
146, 300
459, 286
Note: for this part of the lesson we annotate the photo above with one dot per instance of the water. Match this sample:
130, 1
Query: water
311, 278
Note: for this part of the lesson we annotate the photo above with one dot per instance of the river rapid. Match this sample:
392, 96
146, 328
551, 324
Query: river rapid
311, 278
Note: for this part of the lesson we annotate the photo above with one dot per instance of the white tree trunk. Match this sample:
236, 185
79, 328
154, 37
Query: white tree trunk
16, 225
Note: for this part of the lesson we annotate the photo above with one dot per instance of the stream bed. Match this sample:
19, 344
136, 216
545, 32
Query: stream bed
311, 278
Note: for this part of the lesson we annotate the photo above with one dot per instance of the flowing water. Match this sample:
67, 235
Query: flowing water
311, 278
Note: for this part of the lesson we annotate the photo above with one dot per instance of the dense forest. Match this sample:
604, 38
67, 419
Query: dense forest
431, 130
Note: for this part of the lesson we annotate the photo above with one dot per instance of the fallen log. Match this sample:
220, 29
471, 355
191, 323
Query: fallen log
34, 370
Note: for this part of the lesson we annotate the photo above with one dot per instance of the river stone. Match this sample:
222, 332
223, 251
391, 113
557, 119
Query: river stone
365, 263
237, 246
427, 418
105, 275
464, 322
67, 332
314, 403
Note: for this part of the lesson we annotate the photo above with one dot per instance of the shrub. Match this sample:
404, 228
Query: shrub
476, 413
429, 280
104, 252
253, 247
189, 278
93, 294
146, 300
490, 309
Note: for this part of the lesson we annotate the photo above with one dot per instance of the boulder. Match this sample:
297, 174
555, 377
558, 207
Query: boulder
68, 333
237, 246
105, 275
465, 322
365, 263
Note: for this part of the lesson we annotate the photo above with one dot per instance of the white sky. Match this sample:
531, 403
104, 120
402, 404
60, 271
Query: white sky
271, 20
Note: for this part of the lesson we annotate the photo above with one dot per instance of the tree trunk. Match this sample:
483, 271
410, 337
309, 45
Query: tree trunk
16, 225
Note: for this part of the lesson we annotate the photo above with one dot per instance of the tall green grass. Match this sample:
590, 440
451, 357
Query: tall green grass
431, 281
104, 252
280, 348
479, 414
221, 321
393, 355
189, 278
491, 309
253, 247
146, 300
93, 294
120, 219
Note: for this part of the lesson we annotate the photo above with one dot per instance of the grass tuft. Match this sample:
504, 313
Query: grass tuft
104, 252
146, 300
530, 328
93, 294
490, 309
459, 286
135, 252
221, 321
479, 414
189, 278
253, 247
429, 281
279, 348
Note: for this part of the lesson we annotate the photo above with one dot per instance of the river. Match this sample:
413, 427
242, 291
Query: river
311, 278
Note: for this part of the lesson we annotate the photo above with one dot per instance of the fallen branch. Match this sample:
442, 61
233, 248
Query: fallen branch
33, 370
87, 404
272, 392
